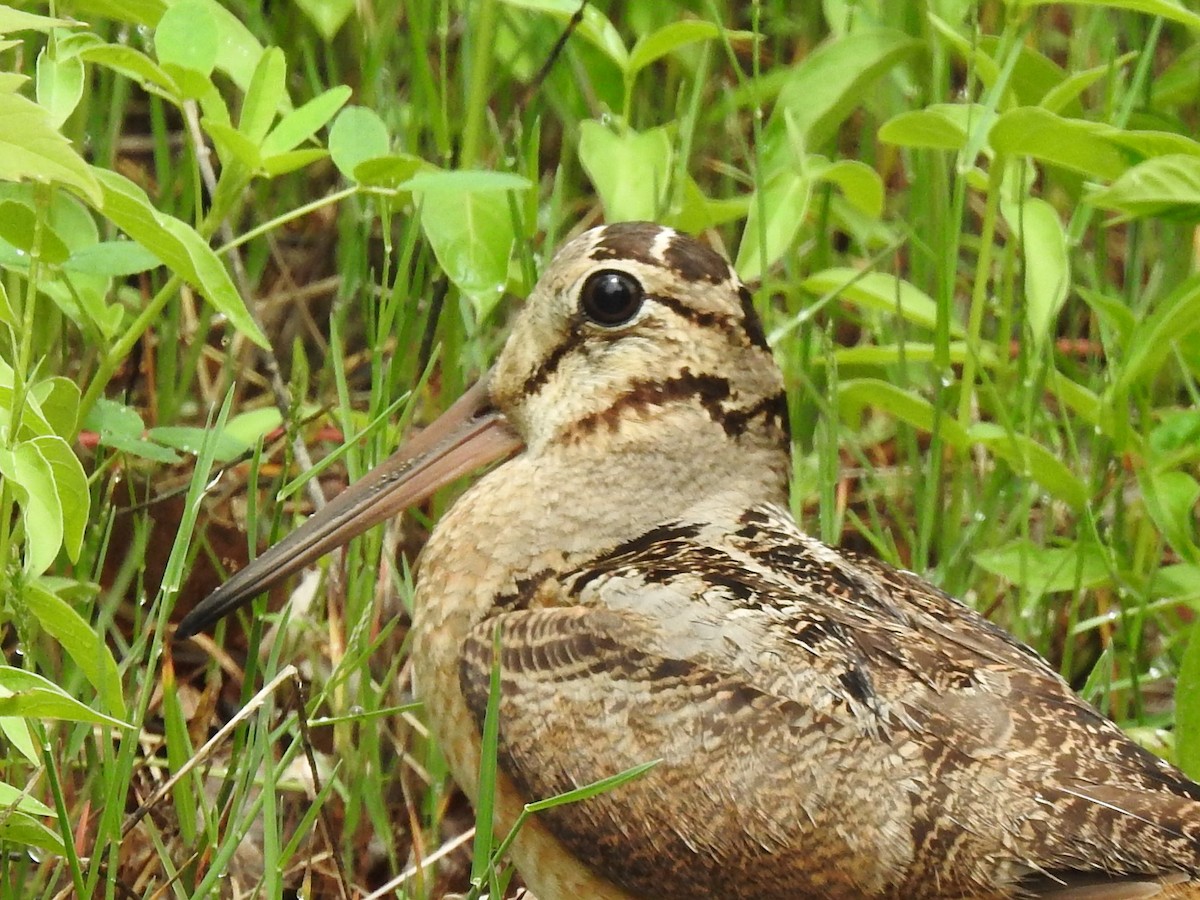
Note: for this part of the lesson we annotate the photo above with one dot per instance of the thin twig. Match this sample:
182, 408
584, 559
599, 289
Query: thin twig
555, 52
433, 857
322, 813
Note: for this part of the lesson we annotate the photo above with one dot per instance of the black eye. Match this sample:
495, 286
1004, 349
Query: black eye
610, 297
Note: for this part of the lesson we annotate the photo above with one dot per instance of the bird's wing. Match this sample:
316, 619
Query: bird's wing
826, 725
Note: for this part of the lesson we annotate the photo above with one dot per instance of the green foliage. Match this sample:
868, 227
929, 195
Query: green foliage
970, 227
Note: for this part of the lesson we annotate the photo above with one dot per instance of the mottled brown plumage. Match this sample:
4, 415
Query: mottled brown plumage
828, 726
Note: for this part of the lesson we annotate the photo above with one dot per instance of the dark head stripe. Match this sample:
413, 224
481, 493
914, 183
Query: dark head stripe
692, 261
629, 240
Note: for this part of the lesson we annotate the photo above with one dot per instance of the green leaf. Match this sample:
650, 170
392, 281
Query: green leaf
1168, 9
971, 51
58, 399
1047, 263
248, 427
905, 405
390, 171
827, 85
137, 12
16, 730
28, 695
1068, 91
189, 439
610, 159
302, 123
858, 182
587, 791
70, 219
327, 16
264, 96
773, 223
1113, 312
82, 643
1047, 570
195, 85
238, 51
71, 487
137, 67
877, 290
109, 417
940, 126
291, 160
14, 798
1167, 186
18, 226
1176, 85
112, 259
32, 480
697, 213
1170, 499
141, 448
12, 20
233, 146
22, 829
1174, 317
1031, 76
357, 134
31, 148
119, 427
178, 246
1177, 432
33, 422
84, 299
1070, 143
1030, 459
472, 236
670, 37
71, 45
1149, 144
59, 86
186, 36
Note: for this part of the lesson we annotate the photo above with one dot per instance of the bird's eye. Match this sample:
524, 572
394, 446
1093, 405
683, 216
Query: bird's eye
611, 298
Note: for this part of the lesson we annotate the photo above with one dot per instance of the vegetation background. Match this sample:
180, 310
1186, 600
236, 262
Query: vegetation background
239, 238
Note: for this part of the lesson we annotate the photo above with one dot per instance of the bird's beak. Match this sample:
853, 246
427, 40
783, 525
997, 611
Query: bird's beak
470, 434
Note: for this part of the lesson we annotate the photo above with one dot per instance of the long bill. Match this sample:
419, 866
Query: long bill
470, 434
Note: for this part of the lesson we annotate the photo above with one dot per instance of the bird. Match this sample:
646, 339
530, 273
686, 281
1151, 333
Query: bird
822, 724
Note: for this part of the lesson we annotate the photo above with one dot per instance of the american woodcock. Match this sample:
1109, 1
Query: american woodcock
827, 726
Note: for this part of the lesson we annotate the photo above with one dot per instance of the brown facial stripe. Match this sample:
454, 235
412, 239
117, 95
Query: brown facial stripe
751, 321
692, 261
629, 240
711, 390
550, 364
